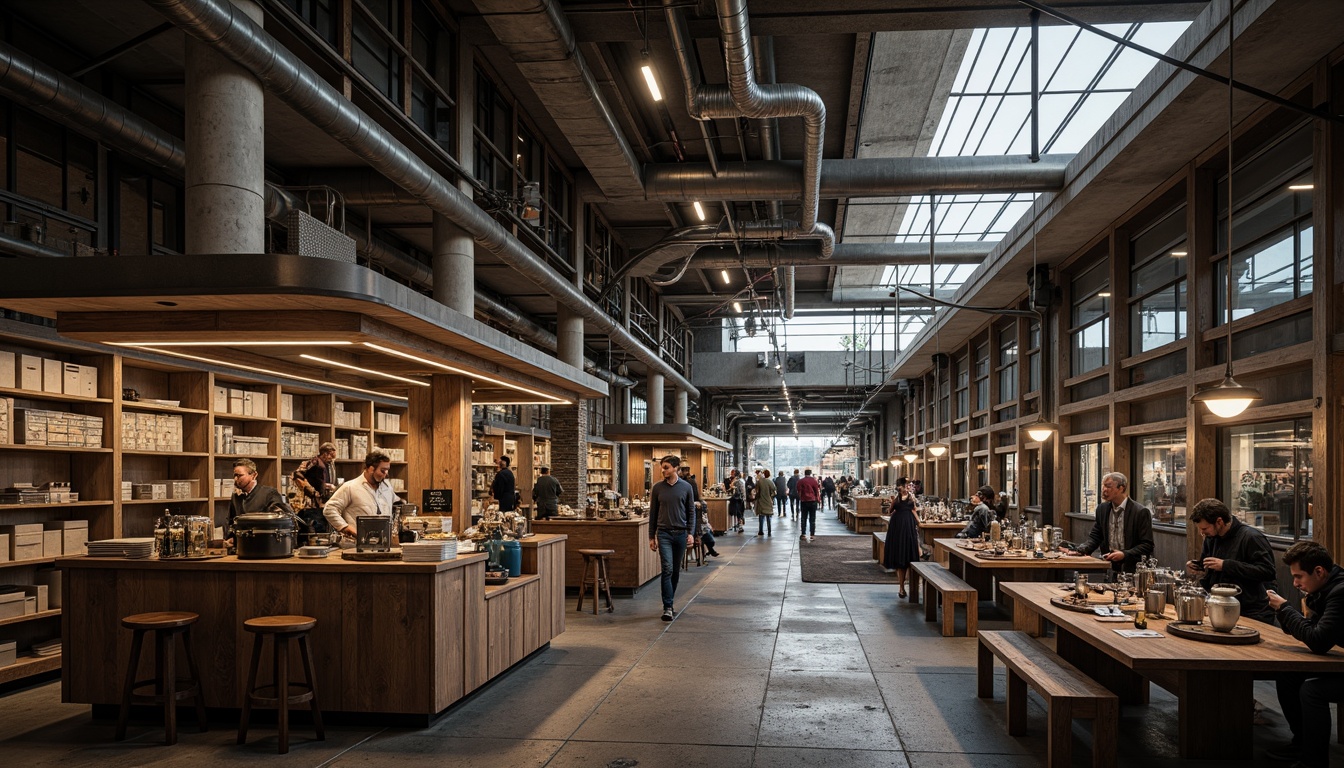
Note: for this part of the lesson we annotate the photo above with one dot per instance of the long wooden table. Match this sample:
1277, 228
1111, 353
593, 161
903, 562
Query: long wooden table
1212, 682
398, 639
633, 565
982, 571
930, 530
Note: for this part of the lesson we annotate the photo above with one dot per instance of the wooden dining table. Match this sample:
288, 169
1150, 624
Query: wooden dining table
934, 529
1212, 682
982, 569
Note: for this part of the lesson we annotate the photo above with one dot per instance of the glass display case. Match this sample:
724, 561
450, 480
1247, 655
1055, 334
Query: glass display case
1266, 476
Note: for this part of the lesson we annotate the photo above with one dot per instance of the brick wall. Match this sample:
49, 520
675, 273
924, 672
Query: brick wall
569, 453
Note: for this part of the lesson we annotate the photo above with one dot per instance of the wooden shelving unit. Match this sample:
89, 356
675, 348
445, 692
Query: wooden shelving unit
97, 473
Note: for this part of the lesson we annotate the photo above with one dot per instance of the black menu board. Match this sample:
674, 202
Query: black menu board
437, 501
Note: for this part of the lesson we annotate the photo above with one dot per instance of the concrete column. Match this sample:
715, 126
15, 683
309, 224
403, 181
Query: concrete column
225, 127
569, 337
454, 264
655, 397
679, 407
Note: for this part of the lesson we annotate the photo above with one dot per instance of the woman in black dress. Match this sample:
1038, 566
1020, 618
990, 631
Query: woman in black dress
902, 547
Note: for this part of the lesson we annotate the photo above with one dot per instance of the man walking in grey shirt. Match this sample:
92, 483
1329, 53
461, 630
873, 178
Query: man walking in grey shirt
672, 525
546, 495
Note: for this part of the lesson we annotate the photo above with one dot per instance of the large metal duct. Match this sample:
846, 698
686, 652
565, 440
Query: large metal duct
862, 177
744, 97
289, 79
36, 85
67, 101
539, 40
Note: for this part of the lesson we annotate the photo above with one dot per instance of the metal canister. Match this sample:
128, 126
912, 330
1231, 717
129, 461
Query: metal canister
1155, 602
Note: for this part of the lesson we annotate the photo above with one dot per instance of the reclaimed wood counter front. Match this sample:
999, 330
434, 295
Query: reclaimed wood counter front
718, 514
394, 638
633, 565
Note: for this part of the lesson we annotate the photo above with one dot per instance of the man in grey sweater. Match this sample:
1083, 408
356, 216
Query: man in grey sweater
546, 495
672, 525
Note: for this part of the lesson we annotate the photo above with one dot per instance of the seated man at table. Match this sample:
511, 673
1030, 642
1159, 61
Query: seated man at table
1233, 553
981, 516
1124, 528
1306, 700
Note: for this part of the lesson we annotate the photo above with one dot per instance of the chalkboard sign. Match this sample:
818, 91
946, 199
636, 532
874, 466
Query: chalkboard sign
437, 501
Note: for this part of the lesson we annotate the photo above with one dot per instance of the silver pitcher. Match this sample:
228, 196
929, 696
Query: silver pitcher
1155, 602
1190, 605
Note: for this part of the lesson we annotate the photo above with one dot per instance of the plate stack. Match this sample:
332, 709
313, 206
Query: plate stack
428, 551
47, 648
132, 549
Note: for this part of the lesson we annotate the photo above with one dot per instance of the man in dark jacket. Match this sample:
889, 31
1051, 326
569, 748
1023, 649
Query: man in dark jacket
503, 487
793, 494
1306, 700
546, 495
1124, 528
828, 491
1233, 553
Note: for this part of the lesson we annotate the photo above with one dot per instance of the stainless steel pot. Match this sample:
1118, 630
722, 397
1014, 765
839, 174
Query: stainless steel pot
1190, 605
1155, 602
263, 536
1224, 607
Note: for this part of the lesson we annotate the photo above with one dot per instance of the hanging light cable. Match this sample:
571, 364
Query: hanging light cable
1228, 398
937, 448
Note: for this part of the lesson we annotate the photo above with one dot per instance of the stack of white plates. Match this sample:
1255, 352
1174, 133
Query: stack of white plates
428, 551
133, 549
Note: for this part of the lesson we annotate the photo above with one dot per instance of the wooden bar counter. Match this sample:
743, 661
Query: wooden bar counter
718, 514
400, 639
633, 565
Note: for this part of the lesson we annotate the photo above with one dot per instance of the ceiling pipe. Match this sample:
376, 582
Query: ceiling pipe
856, 178
744, 97
789, 289
28, 81
285, 76
765, 57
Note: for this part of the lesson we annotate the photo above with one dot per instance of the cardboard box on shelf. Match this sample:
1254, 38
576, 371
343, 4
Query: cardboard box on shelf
7, 369
38, 592
236, 402
12, 604
9, 653
51, 578
25, 541
51, 543
70, 383
74, 535
247, 403
29, 604
30, 373
53, 376
88, 380
126, 490
6, 420
4, 547
220, 400
286, 406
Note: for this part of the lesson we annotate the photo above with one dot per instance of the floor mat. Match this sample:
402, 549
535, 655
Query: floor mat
842, 560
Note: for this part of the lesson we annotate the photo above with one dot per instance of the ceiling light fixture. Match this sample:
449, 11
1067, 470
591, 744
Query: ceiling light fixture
726, 279
469, 374
367, 371
652, 81
267, 371
1301, 187
1104, 295
737, 307
1179, 254
699, 209
1228, 398
227, 343
910, 457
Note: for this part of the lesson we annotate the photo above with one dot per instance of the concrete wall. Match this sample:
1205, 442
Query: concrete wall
738, 369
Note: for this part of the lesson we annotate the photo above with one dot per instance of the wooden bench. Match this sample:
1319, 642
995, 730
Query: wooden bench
1068, 693
950, 591
879, 545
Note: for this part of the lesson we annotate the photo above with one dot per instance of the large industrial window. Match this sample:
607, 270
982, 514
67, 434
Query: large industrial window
982, 377
963, 373
1159, 476
319, 14
1087, 477
1091, 319
1266, 476
1008, 471
1034, 357
375, 48
1272, 231
1007, 370
1157, 290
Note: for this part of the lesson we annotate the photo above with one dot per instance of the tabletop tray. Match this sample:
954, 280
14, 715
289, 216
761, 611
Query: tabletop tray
373, 557
1069, 605
1206, 634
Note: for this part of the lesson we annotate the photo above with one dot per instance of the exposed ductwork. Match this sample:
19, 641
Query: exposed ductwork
286, 76
539, 40
703, 246
40, 87
743, 96
862, 177
790, 284
67, 101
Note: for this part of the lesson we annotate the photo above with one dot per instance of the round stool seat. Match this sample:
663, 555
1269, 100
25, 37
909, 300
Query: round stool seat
157, 620
271, 625
596, 552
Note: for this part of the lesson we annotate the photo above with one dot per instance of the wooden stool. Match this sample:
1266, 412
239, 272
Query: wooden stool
281, 629
166, 625
595, 573
697, 550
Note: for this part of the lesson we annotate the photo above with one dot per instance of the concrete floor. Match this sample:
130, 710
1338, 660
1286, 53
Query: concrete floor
759, 669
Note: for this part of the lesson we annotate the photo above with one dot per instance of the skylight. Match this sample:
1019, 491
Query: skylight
1084, 79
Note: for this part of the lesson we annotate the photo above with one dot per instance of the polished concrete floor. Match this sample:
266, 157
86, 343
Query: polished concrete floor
758, 669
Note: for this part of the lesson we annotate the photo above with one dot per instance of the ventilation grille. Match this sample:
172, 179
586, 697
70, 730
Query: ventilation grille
310, 237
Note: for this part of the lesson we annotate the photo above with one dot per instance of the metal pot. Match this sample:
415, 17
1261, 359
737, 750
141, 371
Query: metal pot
263, 536
1224, 607
1190, 605
1155, 602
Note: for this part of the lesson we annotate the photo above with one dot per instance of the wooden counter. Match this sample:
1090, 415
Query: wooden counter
392, 638
718, 514
633, 565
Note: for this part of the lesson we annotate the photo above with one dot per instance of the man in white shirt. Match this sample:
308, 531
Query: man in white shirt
369, 495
